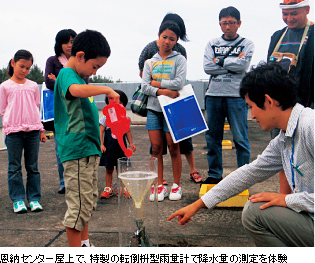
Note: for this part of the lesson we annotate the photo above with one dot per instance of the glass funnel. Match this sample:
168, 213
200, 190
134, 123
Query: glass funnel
138, 216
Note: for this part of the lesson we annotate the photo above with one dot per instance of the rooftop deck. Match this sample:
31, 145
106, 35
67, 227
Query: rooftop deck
220, 227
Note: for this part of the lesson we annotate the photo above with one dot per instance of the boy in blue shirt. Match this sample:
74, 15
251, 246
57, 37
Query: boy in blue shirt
77, 131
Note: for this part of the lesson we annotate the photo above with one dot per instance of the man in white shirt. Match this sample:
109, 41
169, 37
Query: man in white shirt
271, 94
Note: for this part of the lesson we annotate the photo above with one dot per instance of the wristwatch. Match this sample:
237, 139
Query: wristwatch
217, 60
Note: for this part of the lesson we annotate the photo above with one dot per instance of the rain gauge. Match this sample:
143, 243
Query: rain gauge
138, 215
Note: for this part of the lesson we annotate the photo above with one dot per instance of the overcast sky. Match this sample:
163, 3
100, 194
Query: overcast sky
129, 25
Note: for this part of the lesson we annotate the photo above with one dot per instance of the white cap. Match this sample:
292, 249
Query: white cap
292, 4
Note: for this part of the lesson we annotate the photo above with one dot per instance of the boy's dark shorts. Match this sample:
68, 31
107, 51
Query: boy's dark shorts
186, 146
80, 177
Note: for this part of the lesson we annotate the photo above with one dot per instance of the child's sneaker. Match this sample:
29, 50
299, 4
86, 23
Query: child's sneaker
152, 197
91, 245
126, 193
19, 207
107, 193
162, 193
35, 206
176, 193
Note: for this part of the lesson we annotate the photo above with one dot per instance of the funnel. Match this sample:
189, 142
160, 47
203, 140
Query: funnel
138, 215
137, 183
119, 124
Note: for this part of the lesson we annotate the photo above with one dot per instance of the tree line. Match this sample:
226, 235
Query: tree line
37, 75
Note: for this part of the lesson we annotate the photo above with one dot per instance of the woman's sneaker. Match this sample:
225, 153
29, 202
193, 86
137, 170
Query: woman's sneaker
176, 193
35, 206
19, 207
162, 193
107, 193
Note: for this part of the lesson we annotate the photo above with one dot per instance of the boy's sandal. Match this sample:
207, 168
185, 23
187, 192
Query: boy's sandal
165, 183
195, 177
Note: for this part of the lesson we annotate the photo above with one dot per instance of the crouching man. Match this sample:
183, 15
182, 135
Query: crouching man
273, 219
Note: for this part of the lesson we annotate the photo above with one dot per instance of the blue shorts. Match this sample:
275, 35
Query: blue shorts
156, 121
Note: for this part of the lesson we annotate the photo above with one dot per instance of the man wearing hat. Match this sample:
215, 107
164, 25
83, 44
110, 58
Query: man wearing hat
298, 39
299, 29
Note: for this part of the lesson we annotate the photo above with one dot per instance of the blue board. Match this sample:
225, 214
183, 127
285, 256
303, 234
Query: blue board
185, 118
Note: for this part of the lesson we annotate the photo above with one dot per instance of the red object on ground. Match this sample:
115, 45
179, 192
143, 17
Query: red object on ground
118, 122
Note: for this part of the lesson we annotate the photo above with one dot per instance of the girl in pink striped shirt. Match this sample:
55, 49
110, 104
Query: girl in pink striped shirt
19, 106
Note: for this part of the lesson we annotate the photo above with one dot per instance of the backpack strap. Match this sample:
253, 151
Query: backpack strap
280, 40
303, 38
226, 55
234, 46
231, 49
148, 61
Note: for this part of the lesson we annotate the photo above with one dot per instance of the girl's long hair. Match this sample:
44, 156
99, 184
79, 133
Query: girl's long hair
171, 25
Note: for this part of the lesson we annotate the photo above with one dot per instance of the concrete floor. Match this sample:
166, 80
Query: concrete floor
220, 227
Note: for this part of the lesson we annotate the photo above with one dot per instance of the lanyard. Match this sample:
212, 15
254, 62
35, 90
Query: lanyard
294, 166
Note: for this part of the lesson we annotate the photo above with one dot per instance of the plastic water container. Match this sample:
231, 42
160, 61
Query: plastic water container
118, 122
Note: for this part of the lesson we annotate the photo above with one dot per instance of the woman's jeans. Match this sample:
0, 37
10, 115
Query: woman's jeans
235, 109
59, 164
16, 142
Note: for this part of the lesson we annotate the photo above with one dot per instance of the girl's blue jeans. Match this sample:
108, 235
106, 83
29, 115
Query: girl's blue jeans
16, 142
235, 109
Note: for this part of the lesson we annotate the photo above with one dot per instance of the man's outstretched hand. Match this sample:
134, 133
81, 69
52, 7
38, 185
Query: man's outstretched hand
184, 214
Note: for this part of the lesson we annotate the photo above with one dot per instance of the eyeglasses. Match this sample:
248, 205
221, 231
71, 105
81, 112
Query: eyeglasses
230, 23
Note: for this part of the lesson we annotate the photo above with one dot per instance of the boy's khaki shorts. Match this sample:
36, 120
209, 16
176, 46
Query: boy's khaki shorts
80, 178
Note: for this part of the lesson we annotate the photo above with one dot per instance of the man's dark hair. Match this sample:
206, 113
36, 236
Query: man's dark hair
123, 97
230, 11
63, 37
271, 79
92, 43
